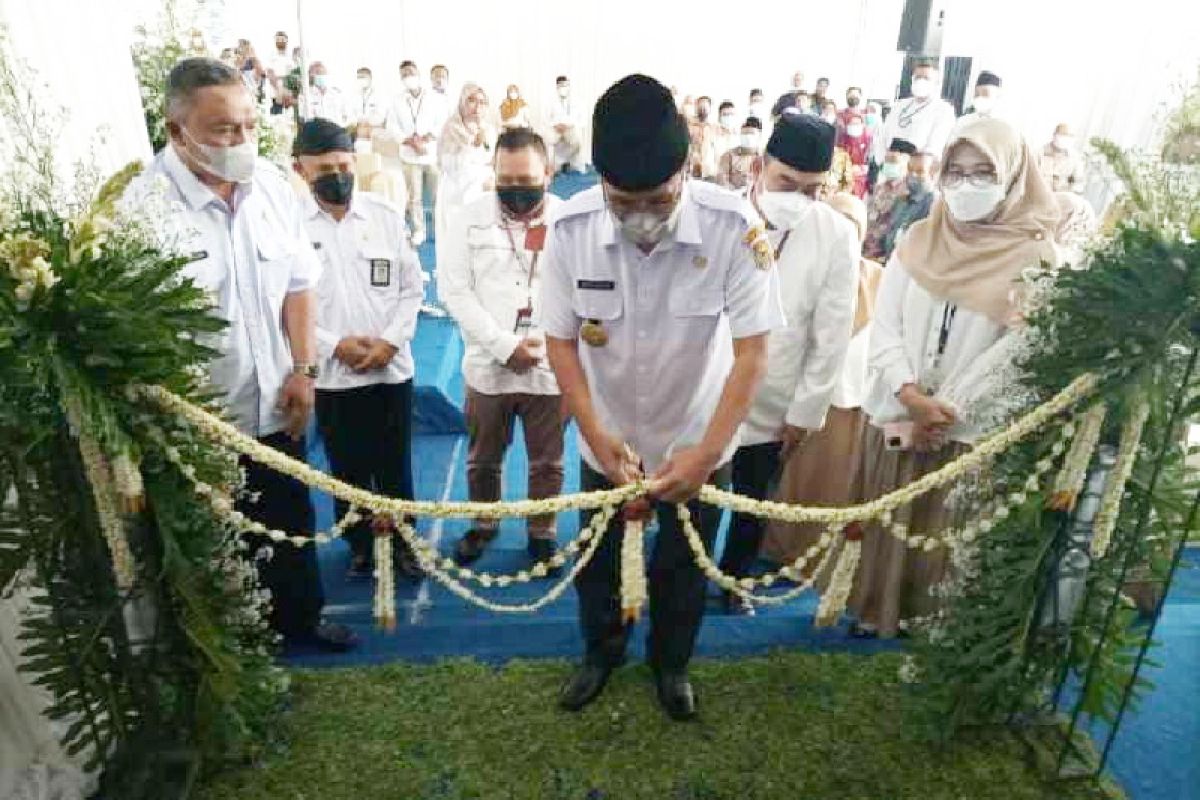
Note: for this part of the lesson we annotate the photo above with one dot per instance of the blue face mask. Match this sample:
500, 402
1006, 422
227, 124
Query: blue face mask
320, 81
872, 119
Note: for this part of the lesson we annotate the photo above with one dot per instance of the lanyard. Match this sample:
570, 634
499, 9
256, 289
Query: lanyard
530, 269
948, 313
906, 116
782, 242
417, 113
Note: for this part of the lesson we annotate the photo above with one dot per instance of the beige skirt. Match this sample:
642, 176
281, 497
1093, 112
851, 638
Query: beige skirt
820, 473
893, 581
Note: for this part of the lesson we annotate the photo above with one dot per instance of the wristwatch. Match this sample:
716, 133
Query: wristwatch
307, 370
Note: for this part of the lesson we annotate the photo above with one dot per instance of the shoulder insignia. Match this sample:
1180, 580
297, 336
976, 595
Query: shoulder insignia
760, 246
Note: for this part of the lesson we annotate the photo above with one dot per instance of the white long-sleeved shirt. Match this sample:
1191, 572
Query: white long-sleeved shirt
562, 112
484, 283
328, 103
927, 125
249, 260
423, 114
905, 332
371, 286
818, 282
368, 106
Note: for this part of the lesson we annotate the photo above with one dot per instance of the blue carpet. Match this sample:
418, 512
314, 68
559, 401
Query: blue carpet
1156, 756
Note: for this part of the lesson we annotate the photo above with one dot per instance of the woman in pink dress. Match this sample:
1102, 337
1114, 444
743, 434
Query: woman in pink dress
856, 141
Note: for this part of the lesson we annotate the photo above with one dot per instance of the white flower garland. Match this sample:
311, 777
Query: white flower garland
100, 479
743, 587
965, 464
385, 583
223, 433
833, 599
1070, 479
1114, 488
633, 571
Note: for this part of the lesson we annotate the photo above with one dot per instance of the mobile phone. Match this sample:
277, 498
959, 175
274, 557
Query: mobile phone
898, 436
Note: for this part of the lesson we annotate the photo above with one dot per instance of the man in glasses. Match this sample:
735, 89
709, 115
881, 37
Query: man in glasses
657, 298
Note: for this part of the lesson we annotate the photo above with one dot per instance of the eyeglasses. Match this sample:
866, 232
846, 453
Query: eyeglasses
977, 179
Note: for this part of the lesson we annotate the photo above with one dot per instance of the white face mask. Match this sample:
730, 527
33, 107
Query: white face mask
411, 82
513, 95
855, 130
727, 121
784, 210
362, 145
891, 171
1064, 141
757, 109
984, 104
922, 88
563, 91
831, 118
233, 163
969, 203
750, 141
647, 229
364, 82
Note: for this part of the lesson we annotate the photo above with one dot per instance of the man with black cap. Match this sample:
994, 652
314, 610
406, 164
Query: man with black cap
657, 298
816, 253
987, 94
367, 302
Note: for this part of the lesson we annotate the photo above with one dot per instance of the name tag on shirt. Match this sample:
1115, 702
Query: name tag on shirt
603, 286
535, 238
381, 272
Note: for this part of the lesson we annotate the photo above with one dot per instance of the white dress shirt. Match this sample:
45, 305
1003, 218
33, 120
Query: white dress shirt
328, 103
369, 107
370, 286
927, 125
818, 282
670, 316
249, 259
905, 334
562, 112
423, 114
485, 279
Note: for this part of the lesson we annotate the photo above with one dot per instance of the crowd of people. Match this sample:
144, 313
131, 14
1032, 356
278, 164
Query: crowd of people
804, 301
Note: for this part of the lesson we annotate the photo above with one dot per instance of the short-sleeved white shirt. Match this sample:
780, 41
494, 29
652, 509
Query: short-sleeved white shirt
670, 316
249, 260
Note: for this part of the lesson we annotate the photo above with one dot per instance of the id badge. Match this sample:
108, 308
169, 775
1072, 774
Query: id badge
524, 322
381, 272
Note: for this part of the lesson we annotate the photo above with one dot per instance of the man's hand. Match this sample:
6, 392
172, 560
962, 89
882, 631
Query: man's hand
351, 349
928, 438
792, 436
296, 400
680, 478
616, 460
925, 410
379, 354
525, 357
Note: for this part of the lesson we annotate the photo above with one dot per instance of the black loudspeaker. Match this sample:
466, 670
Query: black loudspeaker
921, 27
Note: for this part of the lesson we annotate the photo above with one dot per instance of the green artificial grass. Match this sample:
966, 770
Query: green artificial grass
787, 725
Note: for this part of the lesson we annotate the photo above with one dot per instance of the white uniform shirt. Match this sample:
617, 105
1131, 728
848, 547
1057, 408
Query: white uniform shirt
484, 283
249, 260
927, 125
905, 332
423, 115
328, 104
818, 281
369, 107
370, 286
670, 316
281, 65
562, 112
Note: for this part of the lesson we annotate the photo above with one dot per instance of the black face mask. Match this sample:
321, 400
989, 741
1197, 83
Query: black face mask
853, 101
702, 114
335, 188
520, 200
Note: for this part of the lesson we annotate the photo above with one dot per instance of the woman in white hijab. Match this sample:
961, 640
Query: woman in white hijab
949, 297
464, 158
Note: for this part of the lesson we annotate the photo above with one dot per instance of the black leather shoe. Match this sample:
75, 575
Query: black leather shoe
471, 546
584, 686
542, 550
329, 636
676, 696
738, 606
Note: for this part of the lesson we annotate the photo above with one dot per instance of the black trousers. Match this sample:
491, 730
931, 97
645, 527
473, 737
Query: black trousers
676, 586
367, 436
291, 573
754, 467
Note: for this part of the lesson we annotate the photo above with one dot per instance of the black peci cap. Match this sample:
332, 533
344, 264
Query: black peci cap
639, 139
